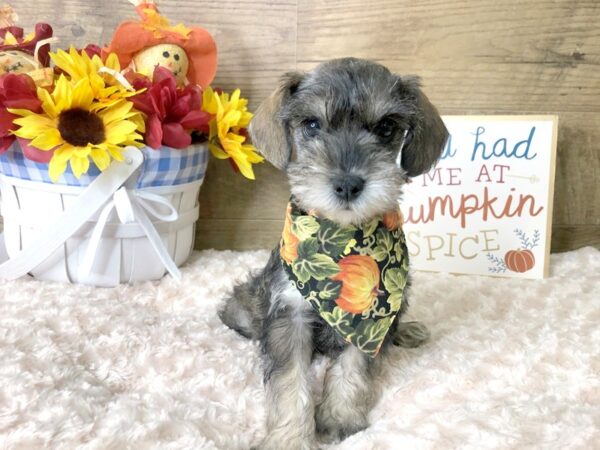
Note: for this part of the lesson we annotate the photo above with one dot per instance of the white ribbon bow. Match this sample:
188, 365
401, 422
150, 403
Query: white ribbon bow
134, 206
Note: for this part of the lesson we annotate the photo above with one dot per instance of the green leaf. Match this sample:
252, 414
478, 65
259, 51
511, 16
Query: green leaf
379, 253
329, 289
370, 228
308, 248
304, 227
370, 334
333, 239
385, 239
394, 280
402, 254
340, 320
395, 301
317, 266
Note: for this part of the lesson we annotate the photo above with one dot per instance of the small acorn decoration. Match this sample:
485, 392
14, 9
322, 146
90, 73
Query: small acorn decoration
189, 53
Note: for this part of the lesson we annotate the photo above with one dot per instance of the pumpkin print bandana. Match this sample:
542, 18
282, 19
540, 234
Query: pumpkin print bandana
353, 277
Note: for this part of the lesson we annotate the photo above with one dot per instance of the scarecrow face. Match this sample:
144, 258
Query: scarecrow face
170, 56
14, 61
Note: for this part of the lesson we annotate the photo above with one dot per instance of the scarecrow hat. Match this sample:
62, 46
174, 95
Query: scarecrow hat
153, 29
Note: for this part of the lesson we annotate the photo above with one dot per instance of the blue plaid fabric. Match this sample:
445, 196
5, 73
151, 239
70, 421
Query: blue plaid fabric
163, 167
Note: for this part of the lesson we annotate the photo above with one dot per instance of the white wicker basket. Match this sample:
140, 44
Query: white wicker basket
134, 233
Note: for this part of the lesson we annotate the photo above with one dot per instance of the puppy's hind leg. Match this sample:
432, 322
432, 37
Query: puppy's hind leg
410, 334
245, 310
241, 311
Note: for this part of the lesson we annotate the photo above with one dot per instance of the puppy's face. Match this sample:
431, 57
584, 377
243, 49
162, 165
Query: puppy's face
338, 132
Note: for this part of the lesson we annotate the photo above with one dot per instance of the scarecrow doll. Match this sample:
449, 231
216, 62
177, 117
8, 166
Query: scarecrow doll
189, 53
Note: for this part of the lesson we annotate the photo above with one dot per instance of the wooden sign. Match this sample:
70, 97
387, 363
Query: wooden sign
486, 208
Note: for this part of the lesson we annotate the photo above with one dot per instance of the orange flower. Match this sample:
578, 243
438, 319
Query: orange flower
359, 275
289, 248
393, 220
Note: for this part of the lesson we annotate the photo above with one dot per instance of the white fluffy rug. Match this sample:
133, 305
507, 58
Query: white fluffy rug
511, 364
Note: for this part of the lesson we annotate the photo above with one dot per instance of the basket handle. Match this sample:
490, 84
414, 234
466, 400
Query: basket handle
87, 204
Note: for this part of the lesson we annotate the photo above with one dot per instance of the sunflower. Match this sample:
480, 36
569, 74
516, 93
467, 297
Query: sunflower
108, 87
76, 126
226, 140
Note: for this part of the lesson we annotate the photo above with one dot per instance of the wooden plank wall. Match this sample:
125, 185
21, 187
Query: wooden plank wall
474, 57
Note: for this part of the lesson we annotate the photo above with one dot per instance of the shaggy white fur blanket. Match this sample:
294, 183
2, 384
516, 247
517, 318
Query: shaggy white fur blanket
511, 364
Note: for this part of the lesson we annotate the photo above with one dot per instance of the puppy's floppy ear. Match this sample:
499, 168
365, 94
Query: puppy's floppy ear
427, 136
268, 128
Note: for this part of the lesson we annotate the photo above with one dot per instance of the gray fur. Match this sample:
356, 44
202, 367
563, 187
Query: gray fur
350, 99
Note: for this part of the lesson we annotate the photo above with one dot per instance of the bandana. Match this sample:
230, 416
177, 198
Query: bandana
353, 277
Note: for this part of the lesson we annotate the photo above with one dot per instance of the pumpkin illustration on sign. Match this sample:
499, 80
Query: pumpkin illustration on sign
189, 53
520, 260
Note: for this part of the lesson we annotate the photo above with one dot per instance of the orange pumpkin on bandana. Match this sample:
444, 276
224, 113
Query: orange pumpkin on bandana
352, 276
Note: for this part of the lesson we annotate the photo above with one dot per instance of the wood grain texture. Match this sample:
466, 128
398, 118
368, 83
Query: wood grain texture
569, 237
474, 57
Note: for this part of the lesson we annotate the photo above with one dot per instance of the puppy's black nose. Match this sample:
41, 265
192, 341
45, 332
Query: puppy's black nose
348, 187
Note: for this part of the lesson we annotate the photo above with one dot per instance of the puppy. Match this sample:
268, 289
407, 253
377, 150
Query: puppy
348, 135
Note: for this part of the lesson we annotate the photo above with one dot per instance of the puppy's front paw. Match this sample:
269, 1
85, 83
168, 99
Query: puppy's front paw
331, 429
411, 334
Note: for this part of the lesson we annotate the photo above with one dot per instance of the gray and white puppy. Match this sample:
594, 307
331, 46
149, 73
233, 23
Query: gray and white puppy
337, 132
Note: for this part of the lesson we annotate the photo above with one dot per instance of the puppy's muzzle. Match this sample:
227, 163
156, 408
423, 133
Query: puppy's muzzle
348, 187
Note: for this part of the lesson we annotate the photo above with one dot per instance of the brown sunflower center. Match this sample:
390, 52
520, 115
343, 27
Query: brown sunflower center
80, 127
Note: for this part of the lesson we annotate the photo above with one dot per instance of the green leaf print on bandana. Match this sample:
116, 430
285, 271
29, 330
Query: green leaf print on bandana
353, 277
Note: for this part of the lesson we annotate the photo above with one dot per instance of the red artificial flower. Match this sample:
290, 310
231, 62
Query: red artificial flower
17, 91
92, 50
172, 113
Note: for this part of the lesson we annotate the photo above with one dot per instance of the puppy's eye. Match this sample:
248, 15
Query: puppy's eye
311, 127
385, 128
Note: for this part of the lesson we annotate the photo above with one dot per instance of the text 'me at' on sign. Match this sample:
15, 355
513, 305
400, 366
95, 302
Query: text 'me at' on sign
486, 207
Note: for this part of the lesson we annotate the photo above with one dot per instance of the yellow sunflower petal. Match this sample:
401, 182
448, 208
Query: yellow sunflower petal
116, 112
112, 62
217, 151
117, 132
48, 104
243, 164
62, 94
47, 140
20, 112
56, 168
115, 152
100, 157
82, 95
63, 153
251, 154
79, 165
32, 126
208, 101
